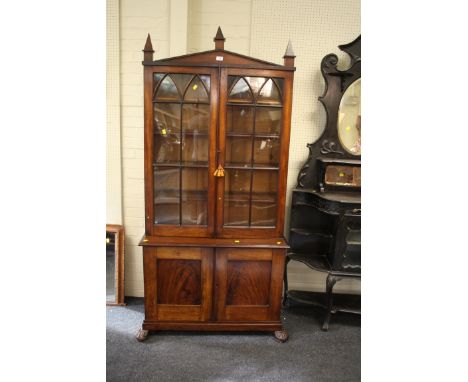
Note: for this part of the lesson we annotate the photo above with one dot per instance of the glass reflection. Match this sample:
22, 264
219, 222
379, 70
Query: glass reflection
196, 92
194, 196
238, 151
241, 92
166, 195
266, 151
349, 119
167, 90
239, 119
237, 197
110, 267
268, 120
269, 94
195, 118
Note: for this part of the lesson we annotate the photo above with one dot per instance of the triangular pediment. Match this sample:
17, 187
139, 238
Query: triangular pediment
215, 57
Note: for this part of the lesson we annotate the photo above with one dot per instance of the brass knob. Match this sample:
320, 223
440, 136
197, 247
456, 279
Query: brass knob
219, 173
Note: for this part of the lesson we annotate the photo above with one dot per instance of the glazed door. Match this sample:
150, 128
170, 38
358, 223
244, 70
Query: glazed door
249, 283
255, 107
178, 283
180, 130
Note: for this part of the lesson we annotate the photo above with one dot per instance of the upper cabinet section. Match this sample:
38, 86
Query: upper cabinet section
216, 144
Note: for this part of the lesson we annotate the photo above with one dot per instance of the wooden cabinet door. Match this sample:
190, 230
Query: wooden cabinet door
249, 284
254, 124
181, 111
178, 283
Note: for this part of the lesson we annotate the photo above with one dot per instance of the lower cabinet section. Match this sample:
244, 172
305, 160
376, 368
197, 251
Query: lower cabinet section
213, 288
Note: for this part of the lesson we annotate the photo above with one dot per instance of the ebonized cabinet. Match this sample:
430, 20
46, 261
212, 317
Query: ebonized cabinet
325, 225
216, 157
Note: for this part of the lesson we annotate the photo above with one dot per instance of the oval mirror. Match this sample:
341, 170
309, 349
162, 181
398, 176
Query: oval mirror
349, 119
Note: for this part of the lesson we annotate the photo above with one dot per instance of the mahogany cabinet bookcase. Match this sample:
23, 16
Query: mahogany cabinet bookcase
216, 157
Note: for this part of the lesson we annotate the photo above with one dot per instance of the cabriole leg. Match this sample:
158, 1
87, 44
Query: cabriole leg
331, 281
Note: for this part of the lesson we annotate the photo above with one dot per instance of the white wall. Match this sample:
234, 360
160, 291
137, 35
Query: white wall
260, 28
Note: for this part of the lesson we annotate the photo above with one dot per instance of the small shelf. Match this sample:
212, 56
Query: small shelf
181, 102
256, 135
179, 165
276, 105
308, 232
248, 167
348, 303
184, 133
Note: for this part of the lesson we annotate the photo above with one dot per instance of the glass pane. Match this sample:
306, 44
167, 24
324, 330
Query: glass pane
166, 148
268, 120
110, 266
194, 148
236, 212
231, 80
196, 92
280, 83
269, 94
263, 214
265, 185
241, 92
167, 90
239, 151
349, 119
207, 81
194, 196
166, 195
266, 151
181, 81
255, 83
166, 118
196, 118
156, 78
239, 119
236, 197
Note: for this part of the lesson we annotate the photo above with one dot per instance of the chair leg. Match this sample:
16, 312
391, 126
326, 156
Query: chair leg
285, 278
331, 281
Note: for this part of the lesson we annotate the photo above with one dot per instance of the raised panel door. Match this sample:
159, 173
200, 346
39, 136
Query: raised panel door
248, 284
178, 283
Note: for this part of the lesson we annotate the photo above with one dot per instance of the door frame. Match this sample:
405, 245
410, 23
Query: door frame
250, 232
176, 230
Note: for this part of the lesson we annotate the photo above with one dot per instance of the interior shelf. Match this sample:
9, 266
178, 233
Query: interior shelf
183, 164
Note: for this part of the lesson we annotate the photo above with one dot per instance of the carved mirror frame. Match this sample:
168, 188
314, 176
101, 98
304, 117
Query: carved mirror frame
119, 246
336, 83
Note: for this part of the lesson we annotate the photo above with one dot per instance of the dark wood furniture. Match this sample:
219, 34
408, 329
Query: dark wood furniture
325, 225
216, 158
115, 263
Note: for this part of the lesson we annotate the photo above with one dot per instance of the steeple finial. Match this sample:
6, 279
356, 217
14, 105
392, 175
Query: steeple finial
289, 55
219, 39
148, 50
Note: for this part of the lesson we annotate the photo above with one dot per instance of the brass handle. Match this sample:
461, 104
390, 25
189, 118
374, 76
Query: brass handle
219, 173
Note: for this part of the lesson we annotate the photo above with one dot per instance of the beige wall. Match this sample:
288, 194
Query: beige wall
260, 28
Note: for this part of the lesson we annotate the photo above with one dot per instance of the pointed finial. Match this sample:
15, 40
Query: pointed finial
219, 39
148, 50
289, 55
